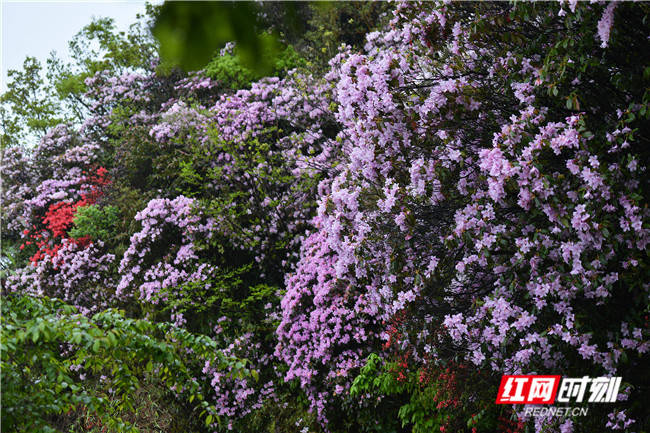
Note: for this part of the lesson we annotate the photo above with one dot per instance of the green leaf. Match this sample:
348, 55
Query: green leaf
190, 33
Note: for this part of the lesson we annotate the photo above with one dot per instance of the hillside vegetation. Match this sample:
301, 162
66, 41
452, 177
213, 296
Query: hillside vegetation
361, 233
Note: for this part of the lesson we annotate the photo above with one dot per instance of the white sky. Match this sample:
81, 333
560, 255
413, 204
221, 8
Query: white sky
35, 28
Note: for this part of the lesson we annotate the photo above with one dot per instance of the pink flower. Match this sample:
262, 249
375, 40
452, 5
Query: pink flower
605, 24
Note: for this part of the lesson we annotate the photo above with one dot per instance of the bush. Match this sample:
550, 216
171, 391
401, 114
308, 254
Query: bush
95, 222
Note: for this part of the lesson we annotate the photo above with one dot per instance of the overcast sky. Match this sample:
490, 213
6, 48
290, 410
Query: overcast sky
35, 28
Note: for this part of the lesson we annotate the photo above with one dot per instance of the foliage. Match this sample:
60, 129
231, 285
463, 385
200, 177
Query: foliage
55, 360
229, 71
186, 32
430, 402
28, 107
95, 222
190, 33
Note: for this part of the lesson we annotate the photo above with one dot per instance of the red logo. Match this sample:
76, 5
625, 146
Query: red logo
520, 389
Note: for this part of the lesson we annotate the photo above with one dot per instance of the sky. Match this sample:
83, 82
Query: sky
35, 28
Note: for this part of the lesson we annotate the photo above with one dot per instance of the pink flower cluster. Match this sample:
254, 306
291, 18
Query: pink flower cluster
79, 275
152, 269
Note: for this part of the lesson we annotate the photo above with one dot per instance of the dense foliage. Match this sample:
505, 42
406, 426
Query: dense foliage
364, 234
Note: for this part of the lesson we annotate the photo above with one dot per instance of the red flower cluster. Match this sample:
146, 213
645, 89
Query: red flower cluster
394, 335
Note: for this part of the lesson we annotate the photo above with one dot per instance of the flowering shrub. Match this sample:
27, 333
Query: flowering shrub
461, 197
490, 229
60, 214
15, 166
237, 397
168, 268
78, 273
323, 324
